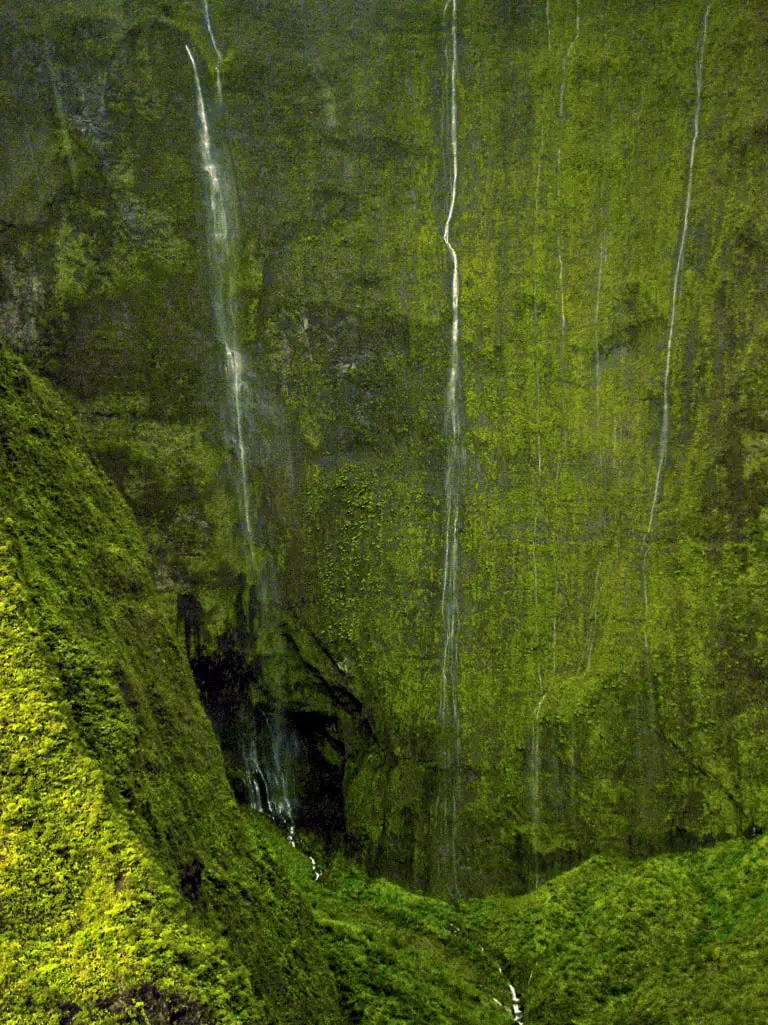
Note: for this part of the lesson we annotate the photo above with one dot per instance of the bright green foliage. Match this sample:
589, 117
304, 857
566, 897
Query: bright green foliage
679, 940
612, 694
643, 654
124, 861
399, 958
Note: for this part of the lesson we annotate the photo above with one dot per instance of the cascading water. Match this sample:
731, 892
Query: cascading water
267, 761
600, 269
549, 29
567, 56
677, 280
515, 1010
449, 701
654, 767
561, 263
216, 50
676, 292
222, 260
536, 786
267, 764
269, 751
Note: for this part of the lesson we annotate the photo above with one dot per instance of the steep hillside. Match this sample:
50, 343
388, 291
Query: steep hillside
128, 877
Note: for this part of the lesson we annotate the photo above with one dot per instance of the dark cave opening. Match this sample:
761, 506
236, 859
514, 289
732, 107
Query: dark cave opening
281, 759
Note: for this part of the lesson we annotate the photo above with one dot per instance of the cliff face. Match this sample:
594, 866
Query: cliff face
611, 239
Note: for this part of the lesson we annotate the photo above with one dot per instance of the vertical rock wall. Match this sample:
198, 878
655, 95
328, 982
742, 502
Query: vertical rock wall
610, 676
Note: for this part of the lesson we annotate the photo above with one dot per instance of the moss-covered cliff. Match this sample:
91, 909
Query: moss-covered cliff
612, 593
128, 877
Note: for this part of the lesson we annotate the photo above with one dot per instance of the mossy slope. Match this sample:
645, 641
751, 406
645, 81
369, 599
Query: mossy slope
678, 940
127, 873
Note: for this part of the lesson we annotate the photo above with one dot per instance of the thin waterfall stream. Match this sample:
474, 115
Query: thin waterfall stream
664, 433
677, 279
264, 753
561, 114
263, 748
536, 788
221, 255
216, 50
515, 1009
449, 701
676, 293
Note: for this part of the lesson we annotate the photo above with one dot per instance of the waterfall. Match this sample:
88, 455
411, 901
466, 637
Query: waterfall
268, 756
561, 274
567, 56
536, 785
677, 281
676, 292
449, 701
221, 254
269, 751
549, 30
255, 778
600, 269
216, 50
515, 1011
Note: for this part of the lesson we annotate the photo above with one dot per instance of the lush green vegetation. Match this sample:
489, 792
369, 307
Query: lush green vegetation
610, 696
127, 872
613, 644
134, 890
678, 939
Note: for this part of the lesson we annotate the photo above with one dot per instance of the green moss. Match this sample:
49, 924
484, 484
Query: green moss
573, 160
673, 940
126, 863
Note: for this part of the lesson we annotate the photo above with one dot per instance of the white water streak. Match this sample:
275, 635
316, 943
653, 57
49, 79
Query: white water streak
517, 1011
591, 630
601, 267
554, 642
561, 264
223, 307
216, 50
561, 274
677, 282
536, 786
567, 56
449, 701
549, 30
537, 339
535, 286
